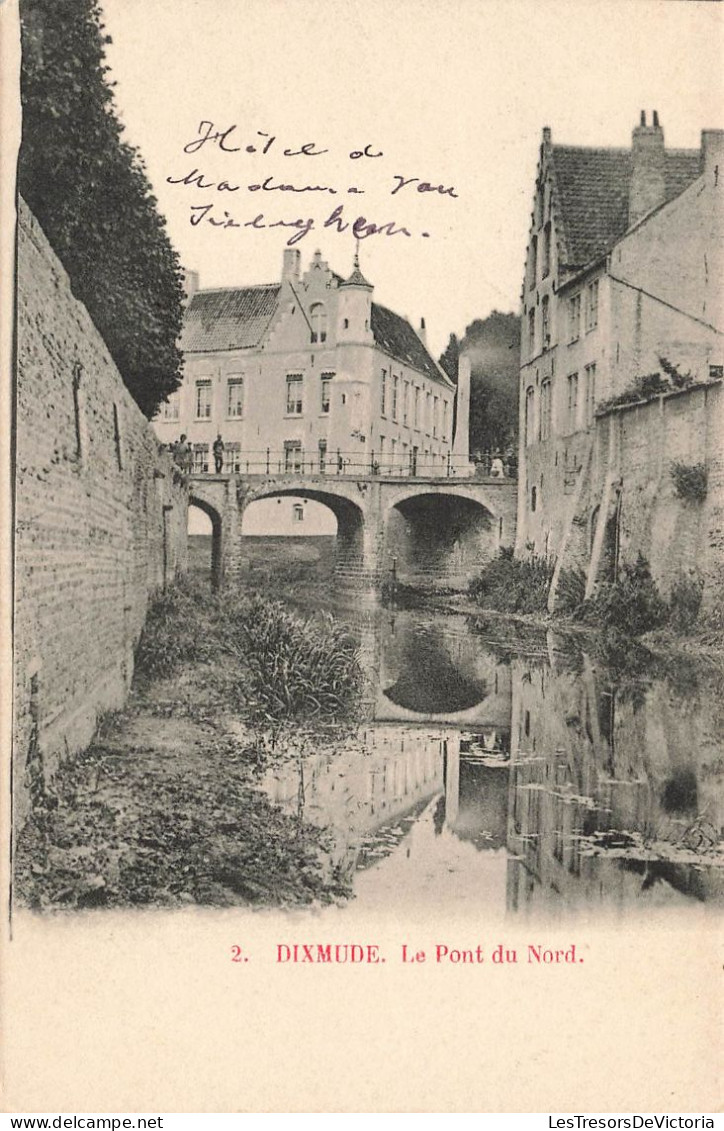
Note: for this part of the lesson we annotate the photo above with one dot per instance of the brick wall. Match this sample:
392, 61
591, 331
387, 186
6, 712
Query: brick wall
99, 523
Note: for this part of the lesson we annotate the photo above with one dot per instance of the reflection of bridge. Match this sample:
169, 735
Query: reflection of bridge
442, 527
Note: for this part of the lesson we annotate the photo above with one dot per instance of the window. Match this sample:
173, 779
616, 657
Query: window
545, 410
405, 398
416, 413
435, 412
590, 392
574, 318
170, 409
232, 458
298, 512
201, 458
546, 264
533, 262
295, 386
533, 498
393, 453
592, 306
716, 372
235, 397
428, 413
572, 401
203, 400
445, 422
322, 455
531, 331
326, 391
529, 412
318, 321
395, 383
383, 394
545, 324
292, 455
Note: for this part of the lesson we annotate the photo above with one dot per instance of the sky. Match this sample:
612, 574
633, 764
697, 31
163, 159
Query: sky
452, 95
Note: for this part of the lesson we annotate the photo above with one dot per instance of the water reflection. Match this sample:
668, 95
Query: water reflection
516, 776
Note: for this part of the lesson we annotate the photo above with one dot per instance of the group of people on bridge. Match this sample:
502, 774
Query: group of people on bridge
182, 454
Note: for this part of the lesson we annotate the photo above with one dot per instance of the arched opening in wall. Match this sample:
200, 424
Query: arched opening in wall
439, 539
204, 537
299, 537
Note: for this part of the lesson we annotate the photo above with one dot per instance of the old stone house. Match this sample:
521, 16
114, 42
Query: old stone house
623, 280
308, 374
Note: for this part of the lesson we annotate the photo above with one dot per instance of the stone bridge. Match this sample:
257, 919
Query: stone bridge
436, 529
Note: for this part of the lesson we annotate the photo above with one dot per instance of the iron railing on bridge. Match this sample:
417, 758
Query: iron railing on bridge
295, 461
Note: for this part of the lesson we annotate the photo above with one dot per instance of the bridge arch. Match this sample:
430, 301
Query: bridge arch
350, 516
442, 536
216, 536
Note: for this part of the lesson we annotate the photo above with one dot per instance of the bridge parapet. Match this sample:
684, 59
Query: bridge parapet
424, 527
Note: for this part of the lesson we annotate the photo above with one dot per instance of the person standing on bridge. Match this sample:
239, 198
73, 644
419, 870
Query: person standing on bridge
496, 467
218, 450
182, 454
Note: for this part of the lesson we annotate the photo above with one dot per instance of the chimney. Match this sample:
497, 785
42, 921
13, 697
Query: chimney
648, 169
712, 156
291, 265
422, 332
190, 284
461, 440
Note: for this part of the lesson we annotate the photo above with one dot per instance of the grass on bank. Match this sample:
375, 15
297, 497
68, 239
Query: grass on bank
163, 808
282, 665
632, 605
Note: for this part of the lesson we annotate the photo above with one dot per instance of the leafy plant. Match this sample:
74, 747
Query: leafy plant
571, 590
690, 482
285, 666
297, 667
685, 602
678, 379
632, 605
512, 585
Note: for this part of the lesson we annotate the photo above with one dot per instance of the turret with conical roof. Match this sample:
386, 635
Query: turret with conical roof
354, 309
357, 279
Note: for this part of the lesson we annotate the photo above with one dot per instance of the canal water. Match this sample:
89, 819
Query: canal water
517, 775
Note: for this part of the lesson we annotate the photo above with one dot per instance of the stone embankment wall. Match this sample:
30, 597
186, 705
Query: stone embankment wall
100, 522
626, 502
679, 537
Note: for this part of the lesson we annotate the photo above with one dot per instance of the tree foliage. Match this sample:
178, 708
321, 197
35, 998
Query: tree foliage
493, 346
90, 193
450, 358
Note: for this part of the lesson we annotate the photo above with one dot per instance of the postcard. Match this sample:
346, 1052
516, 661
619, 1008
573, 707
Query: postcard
364, 556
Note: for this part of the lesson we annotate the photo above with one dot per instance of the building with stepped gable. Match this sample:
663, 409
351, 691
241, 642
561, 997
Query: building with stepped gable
309, 374
621, 359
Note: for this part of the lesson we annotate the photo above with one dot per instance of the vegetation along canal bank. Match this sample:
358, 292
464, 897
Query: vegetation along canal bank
272, 755
164, 808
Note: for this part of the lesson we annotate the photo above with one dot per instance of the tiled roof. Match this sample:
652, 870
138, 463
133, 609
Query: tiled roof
232, 318
356, 279
395, 336
593, 193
